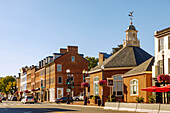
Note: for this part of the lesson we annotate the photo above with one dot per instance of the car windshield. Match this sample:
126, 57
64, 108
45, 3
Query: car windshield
30, 97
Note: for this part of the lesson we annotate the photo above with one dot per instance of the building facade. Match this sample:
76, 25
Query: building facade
130, 56
162, 58
47, 81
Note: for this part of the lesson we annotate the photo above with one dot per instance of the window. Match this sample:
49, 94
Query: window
96, 85
118, 85
160, 67
134, 87
168, 42
59, 80
161, 44
59, 68
72, 58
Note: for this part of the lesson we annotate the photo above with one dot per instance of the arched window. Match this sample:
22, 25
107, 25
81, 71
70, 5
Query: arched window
96, 85
134, 87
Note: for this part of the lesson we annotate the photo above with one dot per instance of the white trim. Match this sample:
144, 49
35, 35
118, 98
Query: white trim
116, 68
94, 82
131, 85
57, 67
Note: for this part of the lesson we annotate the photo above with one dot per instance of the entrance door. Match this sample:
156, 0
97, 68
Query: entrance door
59, 92
52, 95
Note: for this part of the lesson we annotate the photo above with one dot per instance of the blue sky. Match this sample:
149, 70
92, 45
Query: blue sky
33, 29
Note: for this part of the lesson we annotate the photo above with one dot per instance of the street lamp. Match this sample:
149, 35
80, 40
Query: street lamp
162, 52
85, 99
68, 76
102, 104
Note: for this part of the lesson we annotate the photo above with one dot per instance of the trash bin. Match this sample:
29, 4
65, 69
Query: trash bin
99, 102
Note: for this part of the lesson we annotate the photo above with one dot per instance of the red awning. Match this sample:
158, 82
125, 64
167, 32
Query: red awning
157, 89
161, 89
150, 89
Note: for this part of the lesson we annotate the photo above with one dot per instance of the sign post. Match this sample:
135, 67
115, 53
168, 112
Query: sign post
110, 84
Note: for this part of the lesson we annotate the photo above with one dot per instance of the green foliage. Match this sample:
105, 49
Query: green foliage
7, 85
91, 96
151, 98
139, 99
114, 50
92, 62
113, 98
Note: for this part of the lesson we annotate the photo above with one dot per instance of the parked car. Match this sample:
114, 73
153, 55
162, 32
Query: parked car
62, 100
14, 99
81, 97
0, 100
28, 99
76, 98
9, 98
3, 98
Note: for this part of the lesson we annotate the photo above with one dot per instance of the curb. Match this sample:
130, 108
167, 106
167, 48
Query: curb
82, 106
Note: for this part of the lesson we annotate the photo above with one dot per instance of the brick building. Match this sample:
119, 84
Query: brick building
136, 79
130, 56
48, 79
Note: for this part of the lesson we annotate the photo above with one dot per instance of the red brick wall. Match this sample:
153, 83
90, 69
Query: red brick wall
76, 69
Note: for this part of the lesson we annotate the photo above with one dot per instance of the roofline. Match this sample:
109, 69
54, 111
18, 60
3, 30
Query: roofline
162, 33
137, 73
115, 68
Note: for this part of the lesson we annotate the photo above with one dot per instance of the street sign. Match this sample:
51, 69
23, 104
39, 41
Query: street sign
68, 90
110, 82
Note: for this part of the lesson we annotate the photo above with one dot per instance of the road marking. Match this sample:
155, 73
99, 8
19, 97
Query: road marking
41, 109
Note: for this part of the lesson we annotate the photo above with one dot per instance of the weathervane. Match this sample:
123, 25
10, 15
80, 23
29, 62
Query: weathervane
131, 15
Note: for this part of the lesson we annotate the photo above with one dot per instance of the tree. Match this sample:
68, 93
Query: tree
114, 50
7, 85
92, 62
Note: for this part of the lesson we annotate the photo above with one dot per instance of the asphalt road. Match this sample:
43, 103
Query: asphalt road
18, 107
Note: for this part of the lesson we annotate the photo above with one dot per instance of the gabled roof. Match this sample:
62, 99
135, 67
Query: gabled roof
145, 66
126, 57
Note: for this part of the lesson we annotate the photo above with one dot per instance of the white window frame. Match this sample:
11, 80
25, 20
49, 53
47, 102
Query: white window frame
60, 66
61, 80
117, 83
72, 58
131, 88
95, 82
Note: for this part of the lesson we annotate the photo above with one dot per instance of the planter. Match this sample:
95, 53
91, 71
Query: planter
92, 101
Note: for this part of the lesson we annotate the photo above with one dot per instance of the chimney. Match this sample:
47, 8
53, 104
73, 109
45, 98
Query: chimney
72, 49
39, 64
63, 50
44, 61
101, 57
47, 60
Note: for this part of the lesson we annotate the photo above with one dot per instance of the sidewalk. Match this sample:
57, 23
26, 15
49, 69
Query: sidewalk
78, 103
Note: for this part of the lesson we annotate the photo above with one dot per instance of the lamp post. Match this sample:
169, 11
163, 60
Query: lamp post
68, 77
162, 52
102, 104
85, 99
